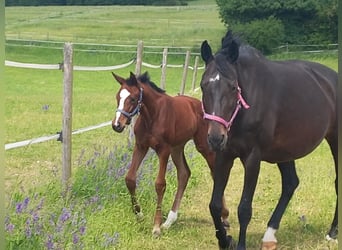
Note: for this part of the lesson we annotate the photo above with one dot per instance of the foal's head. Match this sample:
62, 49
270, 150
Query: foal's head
221, 94
129, 98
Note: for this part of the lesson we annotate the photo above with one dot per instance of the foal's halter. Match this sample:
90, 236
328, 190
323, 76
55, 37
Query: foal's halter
228, 124
136, 109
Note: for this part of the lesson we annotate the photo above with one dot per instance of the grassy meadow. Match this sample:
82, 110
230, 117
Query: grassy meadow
96, 213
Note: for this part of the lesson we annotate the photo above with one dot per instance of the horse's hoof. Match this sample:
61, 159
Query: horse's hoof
139, 216
225, 224
230, 244
332, 235
269, 245
156, 232
330, 239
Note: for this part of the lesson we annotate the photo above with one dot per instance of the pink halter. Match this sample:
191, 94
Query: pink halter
229, 123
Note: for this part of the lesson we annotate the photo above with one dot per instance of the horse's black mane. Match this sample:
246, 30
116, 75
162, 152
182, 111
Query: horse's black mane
228, 44
145, 79
228, 39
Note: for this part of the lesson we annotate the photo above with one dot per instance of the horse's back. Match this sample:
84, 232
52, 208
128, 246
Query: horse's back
302, 108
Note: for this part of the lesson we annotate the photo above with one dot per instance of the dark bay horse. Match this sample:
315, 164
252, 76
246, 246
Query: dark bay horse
164, 124
262, 110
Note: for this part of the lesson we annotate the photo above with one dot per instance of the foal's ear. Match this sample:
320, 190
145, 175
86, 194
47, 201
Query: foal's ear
206, 52
233, 51
132, 78
118, 79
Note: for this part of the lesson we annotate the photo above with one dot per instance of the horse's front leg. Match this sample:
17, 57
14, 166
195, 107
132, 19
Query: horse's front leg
221, 174
252, 168
139, 153
160, 185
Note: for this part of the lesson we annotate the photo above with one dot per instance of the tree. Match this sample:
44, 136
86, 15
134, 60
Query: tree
268, 23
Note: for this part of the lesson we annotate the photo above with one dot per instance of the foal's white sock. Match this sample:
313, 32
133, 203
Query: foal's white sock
269, 235
171, 218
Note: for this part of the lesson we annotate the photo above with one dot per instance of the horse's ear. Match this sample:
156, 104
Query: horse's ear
133, 79
118, 79
233, 52
206, 53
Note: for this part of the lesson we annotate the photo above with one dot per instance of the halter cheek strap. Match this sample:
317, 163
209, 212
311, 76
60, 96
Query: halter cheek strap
136, 110
228, 124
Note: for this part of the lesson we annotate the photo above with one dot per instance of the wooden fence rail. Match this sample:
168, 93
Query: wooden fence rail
67, 66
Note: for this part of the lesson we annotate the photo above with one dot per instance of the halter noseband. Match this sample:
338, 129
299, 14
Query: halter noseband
228, 124
137, 108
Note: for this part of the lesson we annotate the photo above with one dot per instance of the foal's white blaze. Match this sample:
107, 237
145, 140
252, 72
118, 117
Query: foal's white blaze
269, 235
216, 78
124, 93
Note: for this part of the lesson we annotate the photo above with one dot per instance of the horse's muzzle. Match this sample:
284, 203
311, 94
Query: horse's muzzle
217, 142
118, 128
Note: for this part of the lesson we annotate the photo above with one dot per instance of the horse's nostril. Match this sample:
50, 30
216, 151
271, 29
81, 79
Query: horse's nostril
117, 128
216, 141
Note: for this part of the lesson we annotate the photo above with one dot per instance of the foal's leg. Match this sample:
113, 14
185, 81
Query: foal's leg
183, 175
160, 185
290, 182
139, 153
332, 234
202, 147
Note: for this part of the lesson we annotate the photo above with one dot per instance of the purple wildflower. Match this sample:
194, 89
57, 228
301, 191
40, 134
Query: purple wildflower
111, 240
28, 231
40, 205
65, 215
9, 228
19, 208
26, 202
49, 243
82, 230
75, 238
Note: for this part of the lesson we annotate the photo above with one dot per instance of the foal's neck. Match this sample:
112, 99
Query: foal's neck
152, 102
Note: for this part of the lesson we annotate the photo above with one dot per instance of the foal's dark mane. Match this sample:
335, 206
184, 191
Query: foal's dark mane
145, 79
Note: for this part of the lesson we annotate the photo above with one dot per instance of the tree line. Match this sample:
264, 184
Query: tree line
93, 2
266, 24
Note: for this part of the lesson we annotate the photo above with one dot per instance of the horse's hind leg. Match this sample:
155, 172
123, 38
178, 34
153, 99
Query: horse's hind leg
131, 177
183, 175
332, 234
290, 182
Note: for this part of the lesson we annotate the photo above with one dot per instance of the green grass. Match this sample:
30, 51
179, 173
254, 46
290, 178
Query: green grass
98, 199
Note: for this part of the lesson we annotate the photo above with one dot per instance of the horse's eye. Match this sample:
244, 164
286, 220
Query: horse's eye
133, 100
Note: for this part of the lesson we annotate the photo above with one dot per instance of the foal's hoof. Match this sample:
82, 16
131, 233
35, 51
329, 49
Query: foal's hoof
269, 245
139, 216
156, 232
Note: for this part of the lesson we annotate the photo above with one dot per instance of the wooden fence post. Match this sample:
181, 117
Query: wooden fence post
137, 72
67, 113
194, 75
185, 72
163, 69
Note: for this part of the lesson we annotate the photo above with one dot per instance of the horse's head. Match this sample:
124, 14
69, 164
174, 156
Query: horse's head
129, 98
221, 94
